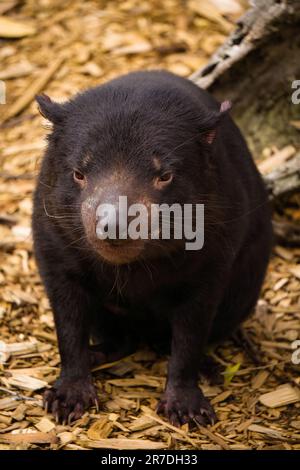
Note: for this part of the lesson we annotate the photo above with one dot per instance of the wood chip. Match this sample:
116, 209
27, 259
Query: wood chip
283, 395
10, 28
124, 444
100, 429
8, 403
5, 419
138, 381
213, 437
138, 48
141, 423
16, 349
25, 382
296, 424
66, 437
91, 68
34, 88
45, 425
32, 438
20, 69
222, 397
295, 124
283, 253
244, 425
279, 284
149, 414
273, 162
120, 403
259, 379
19, 413
208, 10
264, 430
70, 51
295, 270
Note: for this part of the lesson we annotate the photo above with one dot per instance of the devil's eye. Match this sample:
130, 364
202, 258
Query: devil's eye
163, 180
166, 177
78, 176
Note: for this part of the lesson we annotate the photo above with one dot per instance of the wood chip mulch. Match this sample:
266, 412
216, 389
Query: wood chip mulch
62, 47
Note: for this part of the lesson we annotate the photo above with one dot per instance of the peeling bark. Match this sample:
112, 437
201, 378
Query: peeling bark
255, 69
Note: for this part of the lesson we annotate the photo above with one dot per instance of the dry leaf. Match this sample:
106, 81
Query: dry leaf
230, 372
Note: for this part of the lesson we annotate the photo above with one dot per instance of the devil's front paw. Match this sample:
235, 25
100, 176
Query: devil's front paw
186, 405
69, 397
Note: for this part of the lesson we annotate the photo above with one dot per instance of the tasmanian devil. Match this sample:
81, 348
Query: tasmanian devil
157, 139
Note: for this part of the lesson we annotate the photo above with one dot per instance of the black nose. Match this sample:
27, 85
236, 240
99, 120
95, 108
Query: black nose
116, 242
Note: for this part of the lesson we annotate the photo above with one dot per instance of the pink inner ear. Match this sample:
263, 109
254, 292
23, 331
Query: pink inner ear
225, 106
210, 136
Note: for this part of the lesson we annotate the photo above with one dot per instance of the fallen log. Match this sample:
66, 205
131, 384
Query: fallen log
256, 69
284, 180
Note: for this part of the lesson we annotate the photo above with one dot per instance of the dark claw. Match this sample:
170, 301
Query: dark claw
54, 407
160, 407
78, 411
174, 420
69, 398
70, 418
181, 406
209, 414
199, 419
97, 405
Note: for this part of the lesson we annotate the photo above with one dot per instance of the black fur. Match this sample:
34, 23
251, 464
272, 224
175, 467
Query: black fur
175, 298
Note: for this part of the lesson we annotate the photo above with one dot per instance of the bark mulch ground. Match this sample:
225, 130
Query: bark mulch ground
62, 47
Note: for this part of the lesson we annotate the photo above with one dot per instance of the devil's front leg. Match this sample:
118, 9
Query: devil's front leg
74, 391
183, 401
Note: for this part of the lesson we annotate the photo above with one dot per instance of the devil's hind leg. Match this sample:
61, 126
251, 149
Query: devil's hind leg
244, 287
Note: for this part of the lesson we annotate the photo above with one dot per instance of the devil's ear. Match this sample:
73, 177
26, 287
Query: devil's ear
213, 122
49, 109
210, 136
225, 106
